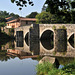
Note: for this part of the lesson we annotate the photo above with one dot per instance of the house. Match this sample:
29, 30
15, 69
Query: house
21, 21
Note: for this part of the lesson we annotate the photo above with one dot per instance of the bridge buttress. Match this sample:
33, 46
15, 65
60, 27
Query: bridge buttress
34, 38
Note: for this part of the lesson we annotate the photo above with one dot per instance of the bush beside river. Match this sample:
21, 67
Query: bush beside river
47, 68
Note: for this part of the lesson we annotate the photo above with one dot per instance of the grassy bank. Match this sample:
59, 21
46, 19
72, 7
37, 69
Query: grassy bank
47, 68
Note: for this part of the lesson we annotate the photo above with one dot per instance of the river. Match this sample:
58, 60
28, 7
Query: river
20, 58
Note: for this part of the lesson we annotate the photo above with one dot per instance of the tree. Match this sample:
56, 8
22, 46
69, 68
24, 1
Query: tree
5, 14
44, 8
22, 3
62, 9
44, 17
14, 15
2, 22
32, 15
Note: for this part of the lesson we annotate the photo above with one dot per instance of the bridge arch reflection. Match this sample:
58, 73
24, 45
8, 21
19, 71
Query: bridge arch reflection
71, 40
26, 38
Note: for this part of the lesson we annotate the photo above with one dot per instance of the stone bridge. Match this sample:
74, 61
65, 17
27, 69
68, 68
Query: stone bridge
21, 31
44, 27
70, 28
36, 31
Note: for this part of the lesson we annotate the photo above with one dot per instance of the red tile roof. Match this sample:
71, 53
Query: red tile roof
12, 21
8, 18
21, 18
28, 19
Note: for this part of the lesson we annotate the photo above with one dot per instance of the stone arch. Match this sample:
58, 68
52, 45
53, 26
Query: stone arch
45, 30
70, 35
45, 39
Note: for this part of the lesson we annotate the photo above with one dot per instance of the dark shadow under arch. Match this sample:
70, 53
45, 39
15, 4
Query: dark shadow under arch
71, 40
27, 38
47, 39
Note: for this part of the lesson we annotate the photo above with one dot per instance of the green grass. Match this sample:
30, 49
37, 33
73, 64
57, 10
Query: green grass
47, 68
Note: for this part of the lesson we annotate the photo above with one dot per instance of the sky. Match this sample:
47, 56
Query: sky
6, 5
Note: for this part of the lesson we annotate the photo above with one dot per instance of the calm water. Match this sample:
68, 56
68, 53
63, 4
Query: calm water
18, 58
17, 66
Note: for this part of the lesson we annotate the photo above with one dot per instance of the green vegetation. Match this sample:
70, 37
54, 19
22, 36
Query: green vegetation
62, 27
47, 68
2, 22
54, 27
44, 17
3, 56
32, 15
5, 14
4, 38
11, 32
62, 11
22, 3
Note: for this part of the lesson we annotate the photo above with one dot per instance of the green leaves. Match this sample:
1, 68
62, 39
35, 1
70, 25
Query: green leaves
32, 15
44, 18
73, 4
22, 3
12, 1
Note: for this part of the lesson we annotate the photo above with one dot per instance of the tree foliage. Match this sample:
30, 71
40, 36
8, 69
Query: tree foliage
44, 17
5, 14
32, 15
2, 22
63, 10
22, 3
55, 5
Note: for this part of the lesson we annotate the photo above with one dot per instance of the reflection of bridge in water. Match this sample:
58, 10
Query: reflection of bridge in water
22, 50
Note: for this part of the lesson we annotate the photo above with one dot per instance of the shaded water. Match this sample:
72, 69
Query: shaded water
18, 58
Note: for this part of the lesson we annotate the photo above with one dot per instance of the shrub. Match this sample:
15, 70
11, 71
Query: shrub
47, 68
54, 27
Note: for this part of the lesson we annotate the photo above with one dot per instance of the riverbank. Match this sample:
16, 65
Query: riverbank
47, 68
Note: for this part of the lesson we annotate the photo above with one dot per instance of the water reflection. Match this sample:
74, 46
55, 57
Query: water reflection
20, 48
26, 39
61, 54
47, 44
35, 47
19, 43
61, 46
